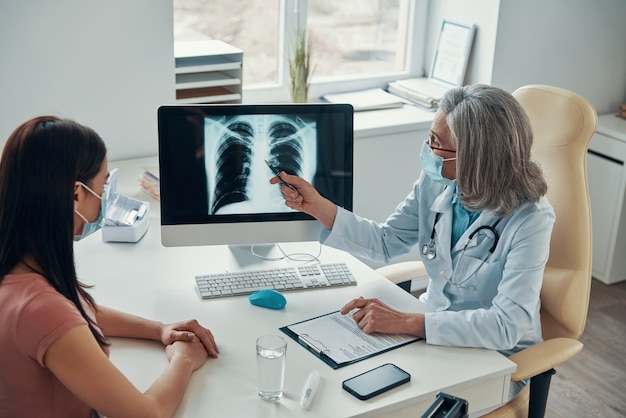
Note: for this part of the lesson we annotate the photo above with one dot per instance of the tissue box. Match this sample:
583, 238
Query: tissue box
127, 220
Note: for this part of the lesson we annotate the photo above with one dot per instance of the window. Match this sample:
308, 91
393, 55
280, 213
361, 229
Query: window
250, 25
357, 37
355, 44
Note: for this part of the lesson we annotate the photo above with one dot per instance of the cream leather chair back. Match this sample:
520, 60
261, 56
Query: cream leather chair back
563, 123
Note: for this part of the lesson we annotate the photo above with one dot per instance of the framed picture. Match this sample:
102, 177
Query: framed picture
452, 54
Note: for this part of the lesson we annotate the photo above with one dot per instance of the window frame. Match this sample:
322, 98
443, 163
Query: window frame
292, 14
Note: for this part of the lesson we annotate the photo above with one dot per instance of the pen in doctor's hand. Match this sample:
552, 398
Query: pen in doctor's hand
276, 172
310, 387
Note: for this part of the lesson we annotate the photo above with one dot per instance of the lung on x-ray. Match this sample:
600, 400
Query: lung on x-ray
236, 148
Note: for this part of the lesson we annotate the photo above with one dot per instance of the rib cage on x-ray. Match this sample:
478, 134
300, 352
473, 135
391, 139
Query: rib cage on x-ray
286, 147
236, 149
234, 160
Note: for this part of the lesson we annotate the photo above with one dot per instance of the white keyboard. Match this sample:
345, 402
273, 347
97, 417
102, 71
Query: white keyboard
314, 276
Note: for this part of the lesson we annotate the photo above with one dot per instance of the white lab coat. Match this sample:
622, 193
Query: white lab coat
497, 304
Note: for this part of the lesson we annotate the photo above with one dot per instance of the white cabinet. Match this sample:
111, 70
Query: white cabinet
387, 146
208, 72
607, 183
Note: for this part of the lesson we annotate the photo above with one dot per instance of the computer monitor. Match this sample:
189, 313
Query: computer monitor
214, 174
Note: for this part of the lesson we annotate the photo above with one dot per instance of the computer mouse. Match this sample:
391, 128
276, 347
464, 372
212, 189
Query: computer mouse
268, 299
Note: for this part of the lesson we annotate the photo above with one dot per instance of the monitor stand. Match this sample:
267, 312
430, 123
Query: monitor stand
267, 256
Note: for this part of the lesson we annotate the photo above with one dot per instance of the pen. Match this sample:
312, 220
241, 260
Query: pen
302, 338
276, 172
309, 389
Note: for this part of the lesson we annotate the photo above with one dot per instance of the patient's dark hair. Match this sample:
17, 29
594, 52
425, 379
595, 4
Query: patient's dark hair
41, 162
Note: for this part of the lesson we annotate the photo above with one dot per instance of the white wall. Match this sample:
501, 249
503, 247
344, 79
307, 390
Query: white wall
110, 64
575, 44
482, 13
107, 64
579, 45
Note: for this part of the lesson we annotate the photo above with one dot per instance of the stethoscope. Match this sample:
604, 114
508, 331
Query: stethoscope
429, 251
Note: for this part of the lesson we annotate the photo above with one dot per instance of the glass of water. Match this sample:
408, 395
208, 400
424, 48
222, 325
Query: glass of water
270, 360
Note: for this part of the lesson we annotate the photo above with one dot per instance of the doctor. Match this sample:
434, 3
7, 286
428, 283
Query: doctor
478, 215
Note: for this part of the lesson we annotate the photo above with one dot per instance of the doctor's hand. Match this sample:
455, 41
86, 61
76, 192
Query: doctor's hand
373, 316
306, 199
188, 331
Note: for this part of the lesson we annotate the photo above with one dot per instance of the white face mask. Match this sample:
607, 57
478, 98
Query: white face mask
432, 164
91, 227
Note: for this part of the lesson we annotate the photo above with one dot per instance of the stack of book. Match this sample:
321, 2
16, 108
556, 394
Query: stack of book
421, 91
371, 99
149, 182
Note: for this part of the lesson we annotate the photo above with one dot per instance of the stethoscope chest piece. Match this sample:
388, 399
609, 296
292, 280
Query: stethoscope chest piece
428, 250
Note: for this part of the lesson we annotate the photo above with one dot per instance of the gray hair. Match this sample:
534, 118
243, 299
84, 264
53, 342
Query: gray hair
493, 139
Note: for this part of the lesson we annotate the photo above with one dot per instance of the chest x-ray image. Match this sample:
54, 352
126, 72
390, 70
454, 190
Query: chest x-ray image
236, 148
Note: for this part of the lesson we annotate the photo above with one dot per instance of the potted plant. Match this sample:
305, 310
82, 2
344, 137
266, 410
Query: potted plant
300, 68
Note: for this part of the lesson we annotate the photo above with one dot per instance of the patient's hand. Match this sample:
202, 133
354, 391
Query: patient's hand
190, 351
189, 331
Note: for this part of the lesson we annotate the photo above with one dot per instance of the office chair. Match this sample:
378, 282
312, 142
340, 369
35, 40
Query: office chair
563, 123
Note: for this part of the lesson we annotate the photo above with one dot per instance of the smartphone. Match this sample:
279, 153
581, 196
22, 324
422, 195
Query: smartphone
376, 381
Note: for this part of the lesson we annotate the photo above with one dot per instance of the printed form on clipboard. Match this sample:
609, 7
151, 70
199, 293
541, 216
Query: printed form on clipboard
338, 340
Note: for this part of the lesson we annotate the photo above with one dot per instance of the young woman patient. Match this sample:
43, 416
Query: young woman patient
53, 336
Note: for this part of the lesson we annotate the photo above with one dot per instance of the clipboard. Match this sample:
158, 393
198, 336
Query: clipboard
337, 348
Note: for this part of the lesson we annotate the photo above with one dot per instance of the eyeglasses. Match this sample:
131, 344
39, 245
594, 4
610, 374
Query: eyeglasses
432, 143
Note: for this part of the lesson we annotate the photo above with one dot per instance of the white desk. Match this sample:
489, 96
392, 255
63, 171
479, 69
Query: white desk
157, 282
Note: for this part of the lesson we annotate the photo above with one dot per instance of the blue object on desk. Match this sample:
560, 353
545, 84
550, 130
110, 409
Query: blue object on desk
268, 299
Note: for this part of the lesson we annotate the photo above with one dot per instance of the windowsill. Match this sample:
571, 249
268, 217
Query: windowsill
389, 121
